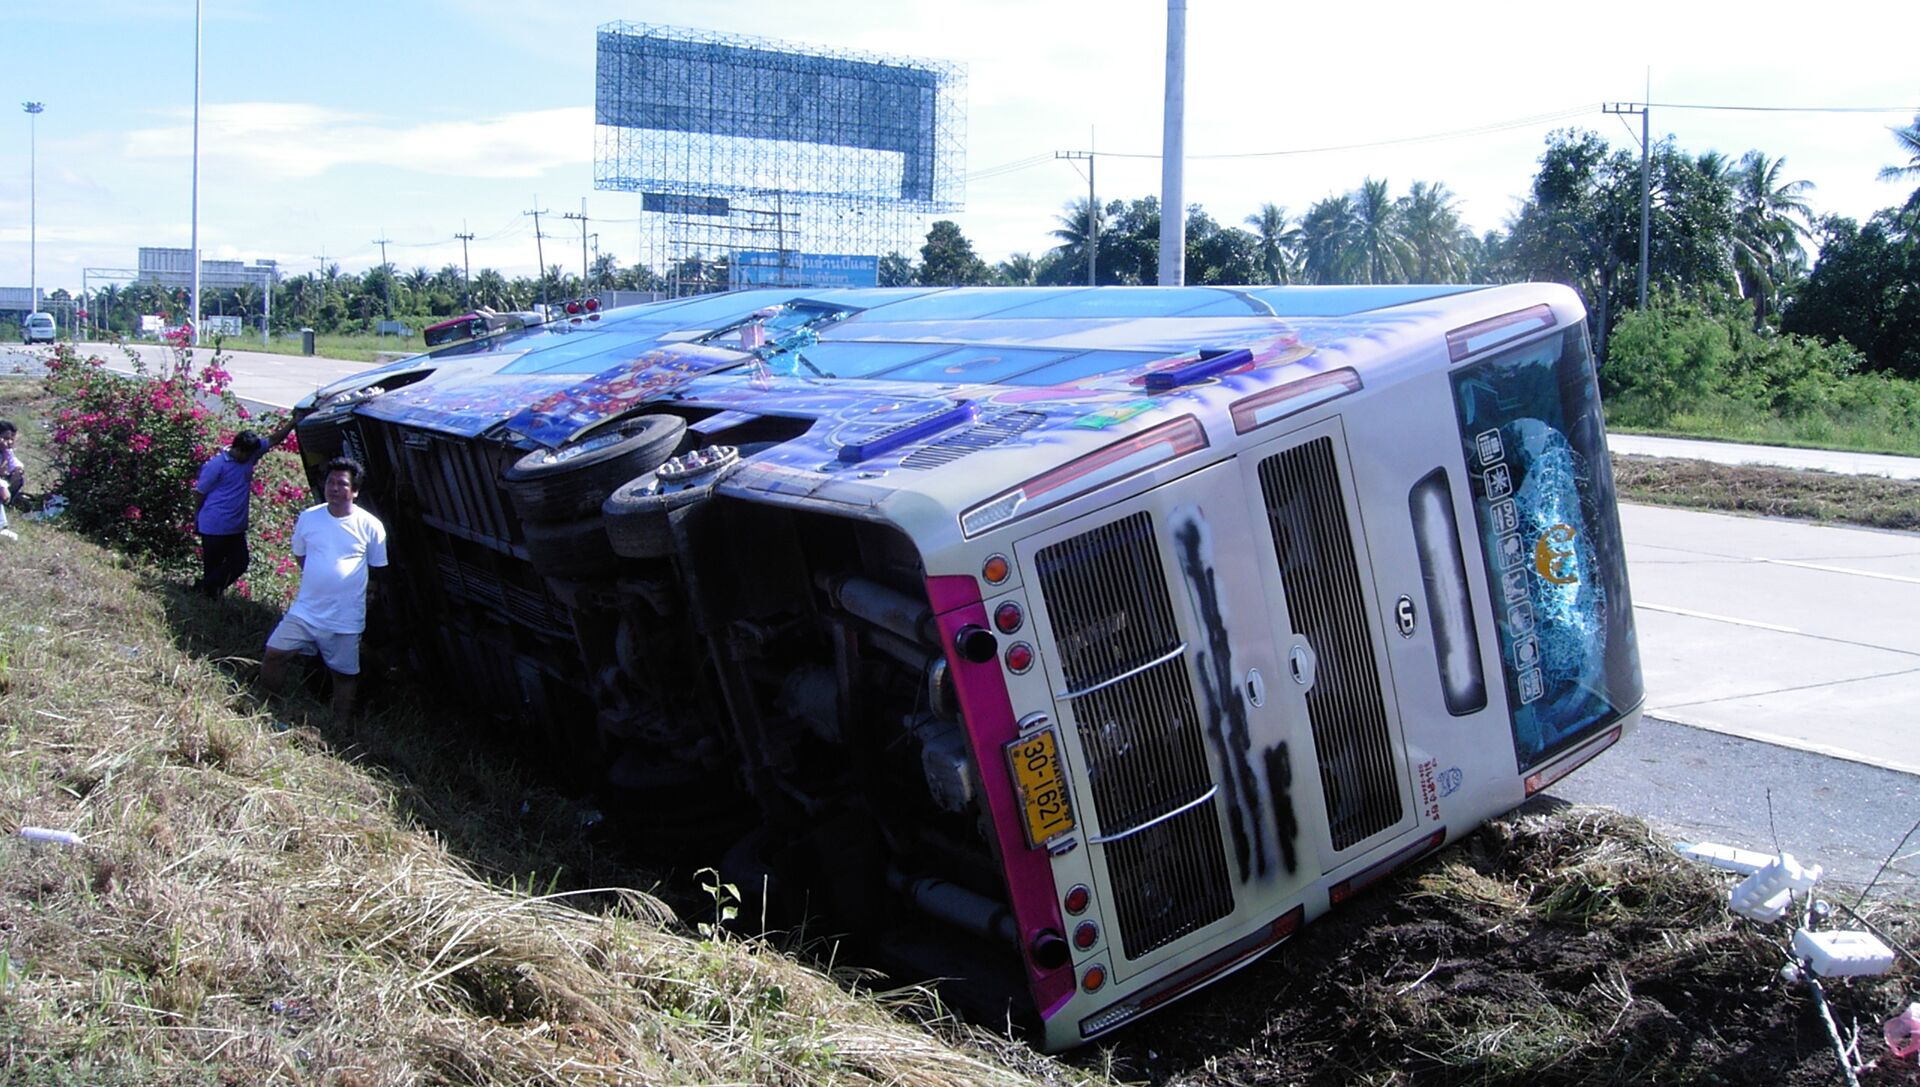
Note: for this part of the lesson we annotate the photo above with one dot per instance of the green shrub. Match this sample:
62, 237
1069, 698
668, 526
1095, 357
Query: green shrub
1679, 367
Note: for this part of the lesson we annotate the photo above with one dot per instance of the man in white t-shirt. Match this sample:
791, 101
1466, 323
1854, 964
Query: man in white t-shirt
335, 544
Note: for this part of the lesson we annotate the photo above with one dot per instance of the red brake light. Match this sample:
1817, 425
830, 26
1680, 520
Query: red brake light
1008, 617
1078, 899
1019, 658
1085, 935
573, 306
593, 305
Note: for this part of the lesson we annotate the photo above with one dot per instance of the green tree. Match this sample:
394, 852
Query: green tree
1275, 243
1018, 270
1383, 251
1865, 290
1430, 226
897, 270
1329, 249
1079, 226
1908, 138
1579, 223
1769, 213
1217, 254
948, 259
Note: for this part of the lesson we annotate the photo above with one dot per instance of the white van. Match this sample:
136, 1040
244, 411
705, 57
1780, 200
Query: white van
38, 328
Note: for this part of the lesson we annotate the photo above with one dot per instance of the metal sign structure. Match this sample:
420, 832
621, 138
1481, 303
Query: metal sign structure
740, 143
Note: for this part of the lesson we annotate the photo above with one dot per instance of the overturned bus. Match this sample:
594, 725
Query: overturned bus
1077, 645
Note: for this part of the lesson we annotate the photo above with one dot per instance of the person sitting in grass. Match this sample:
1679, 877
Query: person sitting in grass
13, 477
222, 498
336, 543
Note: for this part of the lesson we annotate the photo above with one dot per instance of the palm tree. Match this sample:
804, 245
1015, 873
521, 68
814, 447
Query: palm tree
490, 289
1770, 218
1018, 270
1909, 140
1277, 242
1328, 249
1430, 225
1384, 252
1079, 227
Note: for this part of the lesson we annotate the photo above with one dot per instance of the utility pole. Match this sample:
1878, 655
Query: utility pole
1093, 212
466, 267
1173, 152
596, 248
583, 240
1646, 201
386, 273
195, 244
34, 109
540, 250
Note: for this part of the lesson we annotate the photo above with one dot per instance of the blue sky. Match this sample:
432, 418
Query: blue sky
326, 125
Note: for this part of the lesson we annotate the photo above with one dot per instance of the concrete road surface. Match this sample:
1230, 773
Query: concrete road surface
1802, 635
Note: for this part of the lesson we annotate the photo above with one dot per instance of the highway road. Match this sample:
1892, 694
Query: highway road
1782, 661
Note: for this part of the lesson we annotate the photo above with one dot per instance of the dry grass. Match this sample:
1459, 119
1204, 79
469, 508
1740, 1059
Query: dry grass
256, 900
1773, 492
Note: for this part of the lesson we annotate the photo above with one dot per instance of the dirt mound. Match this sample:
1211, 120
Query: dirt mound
1568, 947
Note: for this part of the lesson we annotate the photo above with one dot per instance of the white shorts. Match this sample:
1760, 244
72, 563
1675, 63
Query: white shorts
341, 652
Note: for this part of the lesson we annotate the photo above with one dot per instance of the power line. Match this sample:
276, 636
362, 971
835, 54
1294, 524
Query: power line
1788, 109
1478, 130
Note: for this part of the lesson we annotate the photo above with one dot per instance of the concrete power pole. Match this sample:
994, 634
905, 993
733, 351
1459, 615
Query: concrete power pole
583, 240
195, 244
466, 268
540, 250
386, 273
1173, 152
34, 110
1093, 213
1646, 191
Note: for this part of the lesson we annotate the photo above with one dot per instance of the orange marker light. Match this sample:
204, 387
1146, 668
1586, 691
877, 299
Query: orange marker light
1095, 977
996, 570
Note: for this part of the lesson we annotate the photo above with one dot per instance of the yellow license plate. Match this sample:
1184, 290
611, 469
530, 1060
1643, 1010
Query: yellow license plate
1035, 761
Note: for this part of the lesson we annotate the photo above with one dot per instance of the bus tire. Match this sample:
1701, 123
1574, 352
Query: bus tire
544, 487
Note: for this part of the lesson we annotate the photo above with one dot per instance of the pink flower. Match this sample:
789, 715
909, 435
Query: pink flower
131, 513
140, 443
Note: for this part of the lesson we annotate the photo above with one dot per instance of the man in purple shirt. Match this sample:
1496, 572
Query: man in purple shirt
222, 497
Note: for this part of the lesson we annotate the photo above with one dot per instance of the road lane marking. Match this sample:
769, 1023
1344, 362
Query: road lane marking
1842, 570
1718, 618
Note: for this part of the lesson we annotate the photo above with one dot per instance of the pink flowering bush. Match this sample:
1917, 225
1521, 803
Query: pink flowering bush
127, 447
279, 494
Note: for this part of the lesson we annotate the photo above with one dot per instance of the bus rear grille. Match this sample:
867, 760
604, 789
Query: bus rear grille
1321, 576
456, 483
1141, 734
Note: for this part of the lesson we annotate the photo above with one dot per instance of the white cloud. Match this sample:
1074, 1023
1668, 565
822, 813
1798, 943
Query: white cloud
285, 140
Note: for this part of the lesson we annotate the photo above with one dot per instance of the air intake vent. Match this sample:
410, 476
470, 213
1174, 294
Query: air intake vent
1315, 548
1130, 697
987, 433
456, 484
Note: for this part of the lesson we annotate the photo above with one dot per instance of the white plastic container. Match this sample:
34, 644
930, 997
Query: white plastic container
1842, 953
1765, 895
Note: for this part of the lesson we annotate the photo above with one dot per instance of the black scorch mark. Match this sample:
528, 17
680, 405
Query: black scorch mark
1226, 713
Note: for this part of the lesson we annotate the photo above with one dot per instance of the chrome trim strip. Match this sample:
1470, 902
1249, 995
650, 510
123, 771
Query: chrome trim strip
1068, 696
1156, 820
